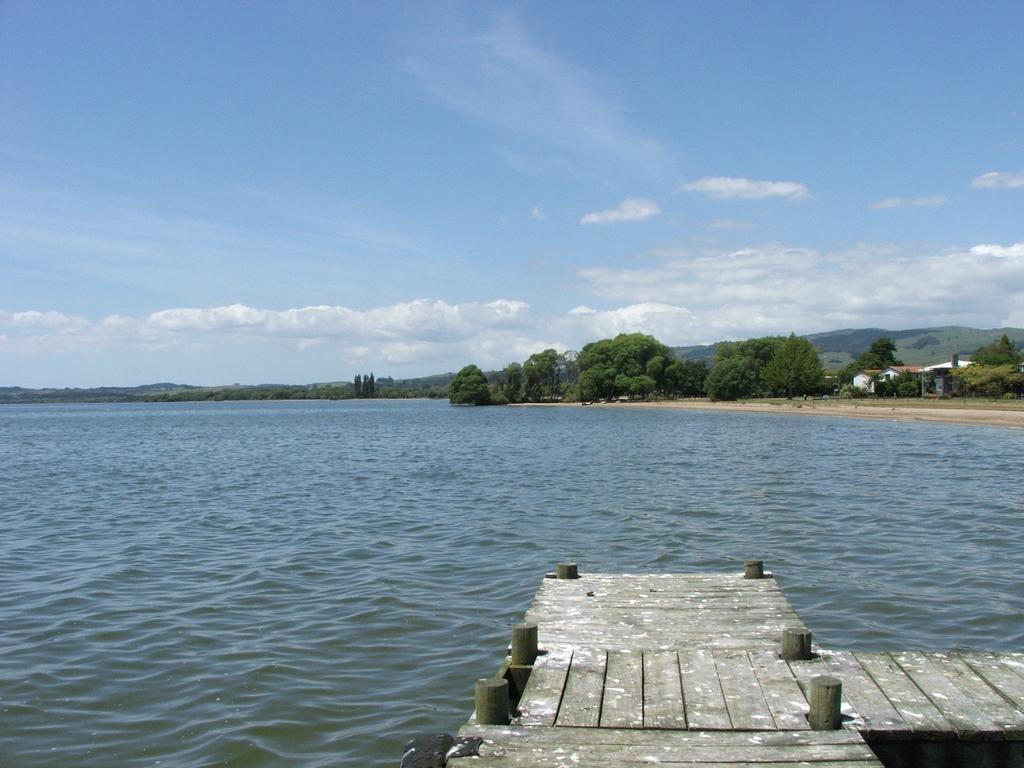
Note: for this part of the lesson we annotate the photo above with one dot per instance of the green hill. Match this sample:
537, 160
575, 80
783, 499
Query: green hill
915, 346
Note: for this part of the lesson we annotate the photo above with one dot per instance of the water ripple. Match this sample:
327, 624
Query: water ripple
310, 584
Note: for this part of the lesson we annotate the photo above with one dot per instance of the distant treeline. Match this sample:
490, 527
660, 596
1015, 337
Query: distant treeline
639, 367
636, 366
368, 387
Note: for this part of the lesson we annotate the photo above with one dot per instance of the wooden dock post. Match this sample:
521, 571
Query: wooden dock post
567, 571
753, 569
824, 700
524, 645
796, 644
492, 701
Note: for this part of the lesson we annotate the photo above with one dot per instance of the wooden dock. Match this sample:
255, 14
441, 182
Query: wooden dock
686, 669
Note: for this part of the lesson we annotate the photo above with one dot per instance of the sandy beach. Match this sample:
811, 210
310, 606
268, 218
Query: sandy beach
983, 413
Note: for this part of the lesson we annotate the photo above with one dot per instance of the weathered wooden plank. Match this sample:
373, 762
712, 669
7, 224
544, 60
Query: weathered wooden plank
564, 747
584, 685
663, 692
689, 596
539, 703
691, 754
966, 717
781, 691
721, 608
747, 707
657, 738
913, 706
870, 704
702, 691
623, 702
640, 640
1002, 672
1007, 717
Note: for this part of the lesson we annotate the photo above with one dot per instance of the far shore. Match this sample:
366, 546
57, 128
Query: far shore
980, 413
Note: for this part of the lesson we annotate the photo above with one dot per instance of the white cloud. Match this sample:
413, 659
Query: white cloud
734, 188
999, 180
1015, 251
631, 209
664, 321
537, 214
682, 296
399, 333
773, 288
925, 201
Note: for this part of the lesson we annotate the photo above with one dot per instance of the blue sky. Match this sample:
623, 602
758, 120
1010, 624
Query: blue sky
211, 192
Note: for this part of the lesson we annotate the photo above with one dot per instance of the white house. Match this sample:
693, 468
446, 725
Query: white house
866, 379
894, 371
940, 374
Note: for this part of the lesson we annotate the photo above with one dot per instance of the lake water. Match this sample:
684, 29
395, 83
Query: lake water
311, 584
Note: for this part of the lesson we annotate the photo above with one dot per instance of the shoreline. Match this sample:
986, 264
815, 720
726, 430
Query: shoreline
981, 415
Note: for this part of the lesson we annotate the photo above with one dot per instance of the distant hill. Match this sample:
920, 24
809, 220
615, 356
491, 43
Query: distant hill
426, 386
915, 346
88, 395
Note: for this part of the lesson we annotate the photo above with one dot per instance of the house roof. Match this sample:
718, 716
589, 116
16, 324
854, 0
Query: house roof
961, 363
906, 368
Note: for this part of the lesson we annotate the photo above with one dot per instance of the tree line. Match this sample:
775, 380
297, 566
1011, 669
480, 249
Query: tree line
362, 387
636, 366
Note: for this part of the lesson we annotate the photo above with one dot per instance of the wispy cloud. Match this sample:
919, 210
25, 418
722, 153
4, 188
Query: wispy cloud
999, 180
926, 201
631, 209
729, 224
537, 214
502, 77
738, 188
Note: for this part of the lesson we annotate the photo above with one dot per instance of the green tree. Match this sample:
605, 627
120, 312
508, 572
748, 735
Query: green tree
632, 364
988, 380
597, 382
733, 376
686, 377
469, 387
744, 365
540, 376
1002, 352
795, 368
881, 353
370, 385
512, 385
879, 356
357, 386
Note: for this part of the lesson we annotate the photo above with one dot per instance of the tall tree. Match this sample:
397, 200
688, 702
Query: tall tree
357, 386
540, 374
1002, 352
632, 364
371, 386
795, 368
469, 387
732, 377
513, 382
